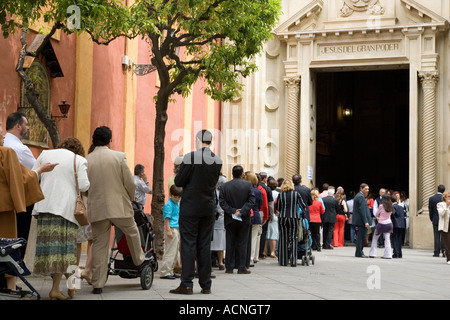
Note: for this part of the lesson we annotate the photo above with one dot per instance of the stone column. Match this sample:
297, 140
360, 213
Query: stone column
428, 153
293, 127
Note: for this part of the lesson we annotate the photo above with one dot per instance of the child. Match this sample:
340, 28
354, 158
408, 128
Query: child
171, 214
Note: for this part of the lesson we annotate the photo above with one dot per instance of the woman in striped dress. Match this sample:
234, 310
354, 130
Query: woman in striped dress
288, 220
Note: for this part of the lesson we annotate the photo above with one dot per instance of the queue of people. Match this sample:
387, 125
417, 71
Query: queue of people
332, 214
250, 217
45, 188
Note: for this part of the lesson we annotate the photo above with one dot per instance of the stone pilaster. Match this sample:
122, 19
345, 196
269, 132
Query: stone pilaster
293, 127
428, 154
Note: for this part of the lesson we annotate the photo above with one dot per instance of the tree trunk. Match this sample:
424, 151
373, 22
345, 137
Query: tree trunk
158, 195
49, 123
31, 93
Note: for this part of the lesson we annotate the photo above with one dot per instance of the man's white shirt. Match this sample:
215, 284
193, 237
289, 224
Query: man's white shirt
23, 152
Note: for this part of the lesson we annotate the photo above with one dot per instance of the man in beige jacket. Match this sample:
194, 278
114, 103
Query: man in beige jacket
109, 202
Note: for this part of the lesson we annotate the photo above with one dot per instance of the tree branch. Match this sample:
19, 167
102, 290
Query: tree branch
30, 90
201, 43
106, 42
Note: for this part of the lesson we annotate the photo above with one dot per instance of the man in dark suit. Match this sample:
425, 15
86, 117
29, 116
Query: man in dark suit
198, 176
237, 199
434, 217
329, 217
399, 222
304, 192
361, 218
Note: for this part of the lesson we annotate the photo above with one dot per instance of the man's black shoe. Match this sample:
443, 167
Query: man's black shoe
182, 290
244, 272
97, 290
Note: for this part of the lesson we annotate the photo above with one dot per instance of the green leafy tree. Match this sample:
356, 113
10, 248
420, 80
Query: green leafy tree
215, 40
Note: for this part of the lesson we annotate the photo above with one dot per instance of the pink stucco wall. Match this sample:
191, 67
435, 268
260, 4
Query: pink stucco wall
108, 90
108, 98
62, 88
145, 120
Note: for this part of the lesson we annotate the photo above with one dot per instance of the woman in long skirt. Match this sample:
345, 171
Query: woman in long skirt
56, 247
272, 228
218, 243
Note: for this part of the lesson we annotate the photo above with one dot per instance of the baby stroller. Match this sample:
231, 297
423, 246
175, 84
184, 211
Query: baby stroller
12, 264
125, 267
304, 250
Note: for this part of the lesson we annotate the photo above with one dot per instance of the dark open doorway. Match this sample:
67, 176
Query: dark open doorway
363, 129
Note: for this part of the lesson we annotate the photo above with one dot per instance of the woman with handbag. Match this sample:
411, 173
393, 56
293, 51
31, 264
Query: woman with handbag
56, 248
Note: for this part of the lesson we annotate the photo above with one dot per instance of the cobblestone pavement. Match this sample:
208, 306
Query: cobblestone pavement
335, 275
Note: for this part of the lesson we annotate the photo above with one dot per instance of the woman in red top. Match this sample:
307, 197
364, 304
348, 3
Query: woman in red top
341, 217
370, 203
315, 219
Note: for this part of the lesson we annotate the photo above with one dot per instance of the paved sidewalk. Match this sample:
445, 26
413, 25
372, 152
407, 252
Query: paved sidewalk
336, 275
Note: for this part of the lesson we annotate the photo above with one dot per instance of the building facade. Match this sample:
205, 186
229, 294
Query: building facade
103, 88
351, 91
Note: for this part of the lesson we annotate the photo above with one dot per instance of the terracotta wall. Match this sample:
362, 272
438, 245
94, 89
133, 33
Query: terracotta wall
9, 80
108, 90
147, 89
61, 88
109, 85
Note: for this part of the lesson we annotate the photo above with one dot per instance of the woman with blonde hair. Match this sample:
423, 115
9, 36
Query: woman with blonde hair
256, 219
315, 219
288, 222
444, 221
341, 217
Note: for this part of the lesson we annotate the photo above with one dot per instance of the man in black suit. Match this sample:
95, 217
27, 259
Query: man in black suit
236, 198
361, 218
399, 222
434, 217
329, 217
304, 192
198, 175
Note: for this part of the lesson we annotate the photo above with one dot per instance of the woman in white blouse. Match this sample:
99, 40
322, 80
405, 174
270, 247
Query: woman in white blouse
57, 226
444, 217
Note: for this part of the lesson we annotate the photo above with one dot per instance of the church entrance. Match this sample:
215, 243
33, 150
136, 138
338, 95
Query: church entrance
363, 129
